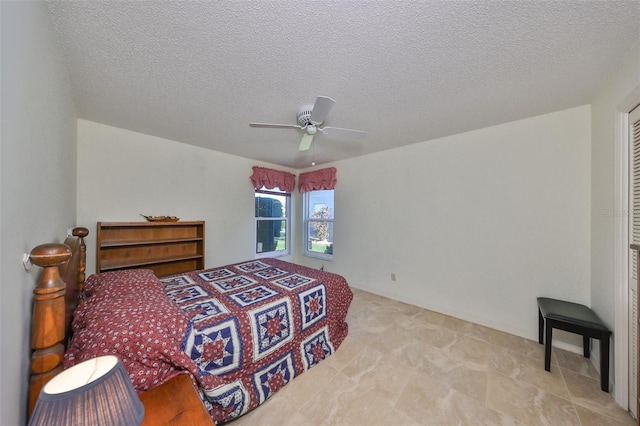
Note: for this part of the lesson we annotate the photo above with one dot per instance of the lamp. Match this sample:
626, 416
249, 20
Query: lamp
94, 392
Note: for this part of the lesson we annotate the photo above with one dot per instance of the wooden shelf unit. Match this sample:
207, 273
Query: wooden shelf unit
165, 247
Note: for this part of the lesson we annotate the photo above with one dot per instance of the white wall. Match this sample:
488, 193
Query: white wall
122, 174
37, 180
475, 225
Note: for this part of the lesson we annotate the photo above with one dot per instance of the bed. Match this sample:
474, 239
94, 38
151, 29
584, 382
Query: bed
241, 331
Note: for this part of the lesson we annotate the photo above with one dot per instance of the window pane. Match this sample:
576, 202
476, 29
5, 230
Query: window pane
318, 216
271, 235
320, 237
270, 205
271, 213
321, 204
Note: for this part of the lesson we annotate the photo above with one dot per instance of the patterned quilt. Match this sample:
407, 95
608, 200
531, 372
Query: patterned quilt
242, 331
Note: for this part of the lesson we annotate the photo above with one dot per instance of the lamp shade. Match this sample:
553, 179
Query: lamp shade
94, 392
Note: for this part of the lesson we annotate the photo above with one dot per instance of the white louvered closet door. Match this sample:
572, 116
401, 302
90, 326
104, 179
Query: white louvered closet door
634, 238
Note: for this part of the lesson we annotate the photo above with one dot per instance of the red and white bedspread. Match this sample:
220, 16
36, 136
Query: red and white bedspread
243, 331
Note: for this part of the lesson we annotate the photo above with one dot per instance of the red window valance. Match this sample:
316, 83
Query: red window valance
270, 178
317, 180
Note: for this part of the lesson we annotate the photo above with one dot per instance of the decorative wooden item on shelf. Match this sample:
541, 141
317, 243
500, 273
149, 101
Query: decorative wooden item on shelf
161, 218
164, 247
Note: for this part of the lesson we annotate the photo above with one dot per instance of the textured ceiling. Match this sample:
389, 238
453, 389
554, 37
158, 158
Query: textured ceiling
405, 71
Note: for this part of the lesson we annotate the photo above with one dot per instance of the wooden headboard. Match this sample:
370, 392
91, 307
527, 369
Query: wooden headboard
55, 297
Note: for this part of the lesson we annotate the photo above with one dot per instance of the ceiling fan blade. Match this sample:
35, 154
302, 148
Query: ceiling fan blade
321, 109
276, 126
343, 133
305, 143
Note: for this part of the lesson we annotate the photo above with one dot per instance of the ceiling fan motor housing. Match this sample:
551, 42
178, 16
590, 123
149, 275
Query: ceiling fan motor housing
304, 115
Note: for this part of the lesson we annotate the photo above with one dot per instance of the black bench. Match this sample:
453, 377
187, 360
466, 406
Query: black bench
574, 318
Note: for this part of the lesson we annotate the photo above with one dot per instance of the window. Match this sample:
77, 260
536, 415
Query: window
272, 222
318, 224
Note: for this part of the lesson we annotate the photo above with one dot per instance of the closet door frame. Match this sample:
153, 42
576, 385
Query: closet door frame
621, 250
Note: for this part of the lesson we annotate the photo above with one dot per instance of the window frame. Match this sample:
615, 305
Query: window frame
305, 226
286, 218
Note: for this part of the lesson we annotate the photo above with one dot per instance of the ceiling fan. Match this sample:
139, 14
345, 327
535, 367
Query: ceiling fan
310, 119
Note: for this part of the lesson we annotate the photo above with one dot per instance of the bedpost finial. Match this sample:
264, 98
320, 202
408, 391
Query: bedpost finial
50, 254
80, 232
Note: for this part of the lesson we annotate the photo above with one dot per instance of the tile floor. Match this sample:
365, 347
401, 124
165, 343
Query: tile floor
402, 365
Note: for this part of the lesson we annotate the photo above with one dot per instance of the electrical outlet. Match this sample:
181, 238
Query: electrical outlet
26, 261
393, 276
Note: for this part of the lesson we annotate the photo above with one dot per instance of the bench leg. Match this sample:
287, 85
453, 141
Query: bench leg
547, 347
540, 326
586, 346
604, 363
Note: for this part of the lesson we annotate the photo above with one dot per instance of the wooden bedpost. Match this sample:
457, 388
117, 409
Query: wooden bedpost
82, 263
48, 321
